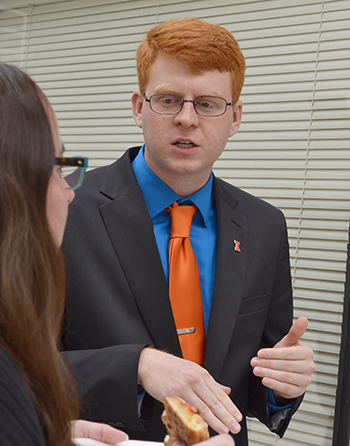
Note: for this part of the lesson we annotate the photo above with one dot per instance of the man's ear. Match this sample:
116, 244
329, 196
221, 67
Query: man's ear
137, 101
237, 117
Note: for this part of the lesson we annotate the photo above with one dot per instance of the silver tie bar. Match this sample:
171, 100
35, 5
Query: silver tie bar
186, 330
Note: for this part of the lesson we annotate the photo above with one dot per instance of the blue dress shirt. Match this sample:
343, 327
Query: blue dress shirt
159, 196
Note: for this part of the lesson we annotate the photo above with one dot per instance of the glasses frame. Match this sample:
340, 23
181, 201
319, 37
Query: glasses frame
187, 100
75, 161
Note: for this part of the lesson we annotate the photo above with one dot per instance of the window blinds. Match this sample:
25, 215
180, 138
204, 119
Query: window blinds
292, 149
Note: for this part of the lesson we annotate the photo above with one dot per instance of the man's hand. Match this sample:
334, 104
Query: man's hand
287, 367
162, 375
97, 431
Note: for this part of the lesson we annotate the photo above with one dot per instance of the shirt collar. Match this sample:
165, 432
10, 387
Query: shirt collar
158, 195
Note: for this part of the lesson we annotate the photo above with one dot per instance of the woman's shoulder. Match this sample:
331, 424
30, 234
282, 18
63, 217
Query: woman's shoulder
19, 424
10, 376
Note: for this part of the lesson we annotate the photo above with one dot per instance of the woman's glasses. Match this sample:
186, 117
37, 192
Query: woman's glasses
73, 170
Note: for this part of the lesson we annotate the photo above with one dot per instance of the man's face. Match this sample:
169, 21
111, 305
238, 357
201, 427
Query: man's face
181, 149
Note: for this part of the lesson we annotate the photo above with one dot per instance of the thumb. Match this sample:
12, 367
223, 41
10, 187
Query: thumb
296, 331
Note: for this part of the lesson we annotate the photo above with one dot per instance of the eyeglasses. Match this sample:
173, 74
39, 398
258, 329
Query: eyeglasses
72, 170
171, 104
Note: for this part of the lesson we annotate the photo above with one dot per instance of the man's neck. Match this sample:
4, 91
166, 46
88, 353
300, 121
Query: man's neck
182, 183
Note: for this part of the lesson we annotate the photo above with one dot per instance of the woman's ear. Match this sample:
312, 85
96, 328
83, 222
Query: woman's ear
137, 101
237, 117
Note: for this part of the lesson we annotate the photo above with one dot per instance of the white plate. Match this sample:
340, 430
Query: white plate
91, 442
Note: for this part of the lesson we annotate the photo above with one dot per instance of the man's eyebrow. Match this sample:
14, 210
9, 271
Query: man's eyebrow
166, 90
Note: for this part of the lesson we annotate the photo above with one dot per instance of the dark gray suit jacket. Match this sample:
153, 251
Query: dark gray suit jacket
118, 298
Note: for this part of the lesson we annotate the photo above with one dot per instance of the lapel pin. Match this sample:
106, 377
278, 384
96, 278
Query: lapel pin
237, 245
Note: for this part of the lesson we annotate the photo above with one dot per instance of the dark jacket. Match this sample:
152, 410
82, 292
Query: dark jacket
118, 298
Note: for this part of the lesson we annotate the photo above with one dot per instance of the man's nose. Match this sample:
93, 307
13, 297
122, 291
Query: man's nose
187, 116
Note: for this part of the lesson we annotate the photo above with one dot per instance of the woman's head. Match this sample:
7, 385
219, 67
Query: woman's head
33, 209
202, 46
29, 142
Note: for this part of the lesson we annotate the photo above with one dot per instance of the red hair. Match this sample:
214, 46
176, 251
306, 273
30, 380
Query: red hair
202, 46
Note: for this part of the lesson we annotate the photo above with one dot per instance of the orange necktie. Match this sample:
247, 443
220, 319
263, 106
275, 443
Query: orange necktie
184, 284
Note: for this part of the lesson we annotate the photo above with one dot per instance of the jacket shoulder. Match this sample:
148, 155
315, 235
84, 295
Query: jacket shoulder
106, 182
243, 202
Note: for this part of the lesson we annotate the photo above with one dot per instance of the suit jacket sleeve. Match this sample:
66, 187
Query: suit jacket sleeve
102, 346
116, 288
278, 321
113, 400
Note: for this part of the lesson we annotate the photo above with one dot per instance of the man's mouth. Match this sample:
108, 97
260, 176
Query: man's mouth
184, 144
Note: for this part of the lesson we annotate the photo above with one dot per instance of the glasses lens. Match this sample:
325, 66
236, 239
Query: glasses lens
166, 104
210, 105
72, 175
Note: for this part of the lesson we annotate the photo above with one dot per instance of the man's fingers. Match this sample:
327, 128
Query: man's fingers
162, 375
301, 380
219, 420
302, 366
287, 367
285, 390
289, 378
216, 407
221, 402
295, 333
226, 389
298, 353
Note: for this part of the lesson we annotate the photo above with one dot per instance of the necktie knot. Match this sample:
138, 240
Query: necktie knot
181, 219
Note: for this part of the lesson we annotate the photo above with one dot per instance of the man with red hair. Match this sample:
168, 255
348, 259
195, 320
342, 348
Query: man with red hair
120, 319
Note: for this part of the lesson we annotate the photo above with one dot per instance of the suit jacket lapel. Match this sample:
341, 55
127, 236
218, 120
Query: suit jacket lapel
230, 270
131, 232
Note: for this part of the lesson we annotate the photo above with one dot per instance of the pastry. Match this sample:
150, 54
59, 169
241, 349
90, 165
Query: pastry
183, 423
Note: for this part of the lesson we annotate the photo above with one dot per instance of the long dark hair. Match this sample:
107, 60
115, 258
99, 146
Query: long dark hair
32, 273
